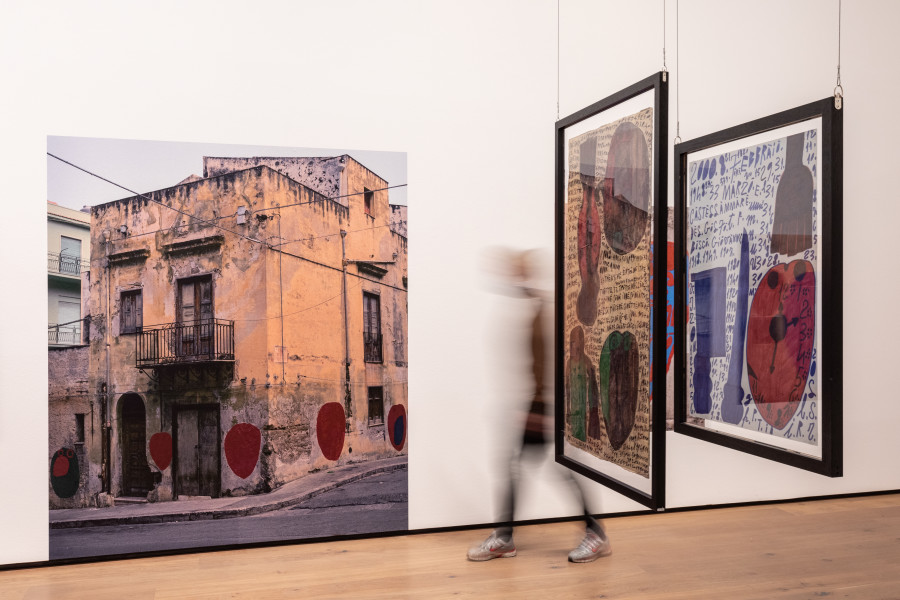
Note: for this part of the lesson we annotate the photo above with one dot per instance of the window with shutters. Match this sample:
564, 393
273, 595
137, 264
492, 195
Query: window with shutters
376, 405
195, 327
372, 327
131, 317
195, 302
69, 255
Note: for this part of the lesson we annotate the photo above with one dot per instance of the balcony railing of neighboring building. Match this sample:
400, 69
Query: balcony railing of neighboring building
210, 340
65, 264
372, 343
64, 335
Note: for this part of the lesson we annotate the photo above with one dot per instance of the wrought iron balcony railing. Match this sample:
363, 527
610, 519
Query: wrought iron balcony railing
66, 264
372, 347
210, 340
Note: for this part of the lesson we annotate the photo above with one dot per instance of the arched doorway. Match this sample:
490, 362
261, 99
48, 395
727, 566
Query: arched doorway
137, 480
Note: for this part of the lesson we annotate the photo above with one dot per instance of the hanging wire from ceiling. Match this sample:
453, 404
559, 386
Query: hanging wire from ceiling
838, 88
665, 71
557, 60
677, 79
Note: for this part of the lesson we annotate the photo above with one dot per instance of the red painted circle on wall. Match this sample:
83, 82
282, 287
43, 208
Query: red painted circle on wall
161, 449
242, 444
60, 466
330, 430
64, 474
780, 340
396, 426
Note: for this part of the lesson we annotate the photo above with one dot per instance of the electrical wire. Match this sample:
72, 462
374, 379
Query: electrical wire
162, 391
327, 235
358, 283
64, 324
214, 220
214, 223
149, 199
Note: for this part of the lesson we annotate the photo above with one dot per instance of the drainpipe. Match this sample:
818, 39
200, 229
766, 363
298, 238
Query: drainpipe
281, 294
347, 405
107, 427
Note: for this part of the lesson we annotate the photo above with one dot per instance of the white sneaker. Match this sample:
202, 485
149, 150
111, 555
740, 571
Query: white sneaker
590, 549
492, 547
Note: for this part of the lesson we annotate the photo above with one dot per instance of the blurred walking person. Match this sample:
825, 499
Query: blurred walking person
517, 271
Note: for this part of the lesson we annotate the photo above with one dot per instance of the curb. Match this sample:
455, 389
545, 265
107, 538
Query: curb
222, 513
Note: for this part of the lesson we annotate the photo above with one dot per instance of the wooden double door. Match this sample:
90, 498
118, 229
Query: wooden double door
197, 456
137, 479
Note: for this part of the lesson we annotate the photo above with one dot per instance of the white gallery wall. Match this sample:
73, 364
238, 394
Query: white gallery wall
469, 90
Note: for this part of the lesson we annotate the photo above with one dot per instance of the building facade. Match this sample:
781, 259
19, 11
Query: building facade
68, 253
69, 401
246, 330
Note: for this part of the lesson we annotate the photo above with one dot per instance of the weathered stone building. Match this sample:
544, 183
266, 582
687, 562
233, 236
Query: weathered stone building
247, 328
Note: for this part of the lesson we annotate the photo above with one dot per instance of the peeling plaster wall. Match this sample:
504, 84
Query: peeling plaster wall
322, 174
398, 219
238, 278
314, 342
69, 395
285, 369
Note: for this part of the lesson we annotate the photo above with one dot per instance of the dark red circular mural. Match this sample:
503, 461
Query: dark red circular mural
64, 474
330, 427
242, 444
161, 449
396, 426
780, 339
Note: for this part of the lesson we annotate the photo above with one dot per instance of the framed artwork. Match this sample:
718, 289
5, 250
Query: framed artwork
758, 339
208, 361
611, 290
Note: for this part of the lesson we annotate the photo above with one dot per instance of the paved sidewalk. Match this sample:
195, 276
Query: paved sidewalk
223, 508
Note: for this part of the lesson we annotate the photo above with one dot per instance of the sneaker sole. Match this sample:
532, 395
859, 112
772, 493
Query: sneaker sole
509, 554
592, 557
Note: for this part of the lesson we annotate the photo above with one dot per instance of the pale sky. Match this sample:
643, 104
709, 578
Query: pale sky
145, 166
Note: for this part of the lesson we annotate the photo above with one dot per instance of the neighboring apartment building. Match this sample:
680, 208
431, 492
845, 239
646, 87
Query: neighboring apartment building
248, 327
69, 402
68, 252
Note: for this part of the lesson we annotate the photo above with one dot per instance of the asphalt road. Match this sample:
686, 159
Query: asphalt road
370, 505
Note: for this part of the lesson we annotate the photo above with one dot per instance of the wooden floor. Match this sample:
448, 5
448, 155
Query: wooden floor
843, 548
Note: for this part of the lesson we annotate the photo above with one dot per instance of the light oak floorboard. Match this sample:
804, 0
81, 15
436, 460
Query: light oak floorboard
841, 548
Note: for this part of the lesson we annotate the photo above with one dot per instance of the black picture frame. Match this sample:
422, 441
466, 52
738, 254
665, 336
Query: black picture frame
760, 417
602, 445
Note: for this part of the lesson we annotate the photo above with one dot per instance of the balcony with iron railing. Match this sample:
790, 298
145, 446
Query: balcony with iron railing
59, 263
207, 341
67, 334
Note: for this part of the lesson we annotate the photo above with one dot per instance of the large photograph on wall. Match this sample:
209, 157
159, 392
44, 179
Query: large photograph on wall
227, 343
758, 337
611, 290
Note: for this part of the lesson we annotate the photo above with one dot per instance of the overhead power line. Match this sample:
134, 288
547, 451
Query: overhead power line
148, 198
213, 221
